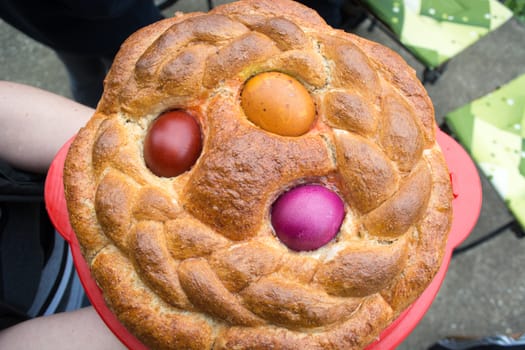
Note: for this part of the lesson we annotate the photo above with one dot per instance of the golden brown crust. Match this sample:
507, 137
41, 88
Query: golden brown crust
191, 261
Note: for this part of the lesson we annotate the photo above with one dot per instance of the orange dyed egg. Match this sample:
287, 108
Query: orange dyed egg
278, 103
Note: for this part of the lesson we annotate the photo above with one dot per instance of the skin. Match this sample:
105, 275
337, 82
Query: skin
80, 329
34, 124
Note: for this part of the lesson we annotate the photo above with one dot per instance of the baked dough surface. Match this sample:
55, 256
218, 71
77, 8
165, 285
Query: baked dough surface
191, 262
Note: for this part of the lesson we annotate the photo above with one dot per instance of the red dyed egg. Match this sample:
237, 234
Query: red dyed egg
173, 144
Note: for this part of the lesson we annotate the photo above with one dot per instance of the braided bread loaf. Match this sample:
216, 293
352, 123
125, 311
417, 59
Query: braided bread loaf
192, 260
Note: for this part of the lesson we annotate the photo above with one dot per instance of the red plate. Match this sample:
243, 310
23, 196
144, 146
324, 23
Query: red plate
466, 205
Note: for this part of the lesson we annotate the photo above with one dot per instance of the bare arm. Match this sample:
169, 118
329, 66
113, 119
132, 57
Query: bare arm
81, 329
34, 124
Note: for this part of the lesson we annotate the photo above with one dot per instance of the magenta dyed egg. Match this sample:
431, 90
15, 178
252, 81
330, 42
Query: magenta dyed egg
307, 217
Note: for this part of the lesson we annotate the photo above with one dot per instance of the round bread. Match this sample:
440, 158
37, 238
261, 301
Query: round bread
192, 261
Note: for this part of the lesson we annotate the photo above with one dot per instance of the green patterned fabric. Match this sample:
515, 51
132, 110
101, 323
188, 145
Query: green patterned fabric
437, 30
492, 129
